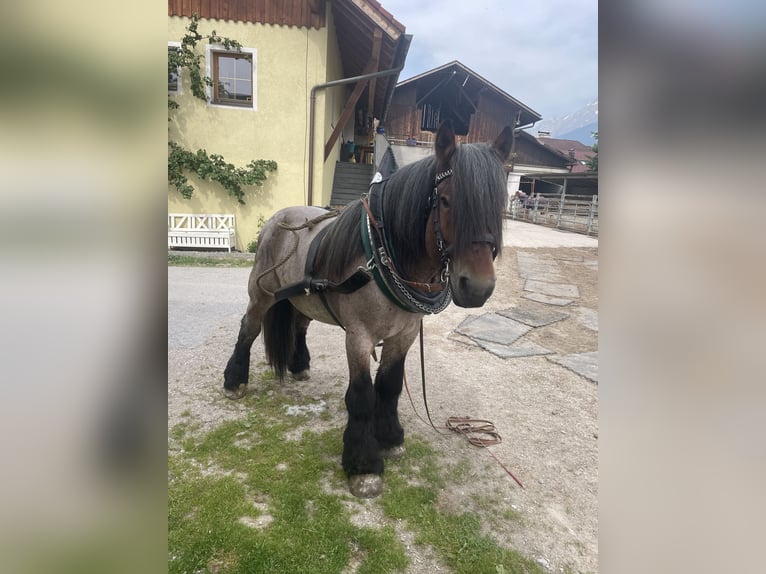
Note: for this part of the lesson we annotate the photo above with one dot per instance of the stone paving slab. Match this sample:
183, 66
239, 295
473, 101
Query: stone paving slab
493, 328
519, 349
588, 318
540, 298
533, 316
552, 289
584, 364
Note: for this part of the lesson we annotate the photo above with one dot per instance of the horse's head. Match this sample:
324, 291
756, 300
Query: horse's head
467, 212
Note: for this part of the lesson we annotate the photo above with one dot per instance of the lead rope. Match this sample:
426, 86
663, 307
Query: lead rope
310, 223
478, 432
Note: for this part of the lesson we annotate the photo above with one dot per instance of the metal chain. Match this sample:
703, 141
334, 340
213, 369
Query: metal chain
404, 290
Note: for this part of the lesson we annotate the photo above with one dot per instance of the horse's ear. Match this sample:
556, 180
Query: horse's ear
445, 142
503, 143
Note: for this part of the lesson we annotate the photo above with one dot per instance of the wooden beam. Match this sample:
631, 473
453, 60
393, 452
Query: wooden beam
441, 84
348, 109
377, 40
465, 94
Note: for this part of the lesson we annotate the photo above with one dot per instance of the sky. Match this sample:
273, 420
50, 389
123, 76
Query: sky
541, 52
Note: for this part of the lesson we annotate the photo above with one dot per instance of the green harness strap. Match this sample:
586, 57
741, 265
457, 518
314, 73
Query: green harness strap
375, 271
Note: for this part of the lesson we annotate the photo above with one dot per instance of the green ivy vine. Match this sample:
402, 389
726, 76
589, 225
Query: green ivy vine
212, 167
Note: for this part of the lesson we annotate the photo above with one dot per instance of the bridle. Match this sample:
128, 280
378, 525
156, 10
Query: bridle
433, 200
443, 248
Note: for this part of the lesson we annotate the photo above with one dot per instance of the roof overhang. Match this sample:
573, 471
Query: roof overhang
370, 37
469, 84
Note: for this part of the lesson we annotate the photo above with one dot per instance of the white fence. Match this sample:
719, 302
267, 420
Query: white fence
572, 212
213, 231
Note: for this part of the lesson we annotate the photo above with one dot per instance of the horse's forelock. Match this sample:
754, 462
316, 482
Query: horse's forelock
405, 203
478, 195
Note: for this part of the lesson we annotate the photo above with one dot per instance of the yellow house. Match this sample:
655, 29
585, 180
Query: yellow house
271, 100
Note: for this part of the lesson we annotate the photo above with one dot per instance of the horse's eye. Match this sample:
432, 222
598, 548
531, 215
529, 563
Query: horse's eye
444, 201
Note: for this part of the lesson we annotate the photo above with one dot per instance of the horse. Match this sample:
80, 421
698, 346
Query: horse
426, 236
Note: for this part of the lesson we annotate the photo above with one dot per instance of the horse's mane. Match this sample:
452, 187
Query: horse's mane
478, 200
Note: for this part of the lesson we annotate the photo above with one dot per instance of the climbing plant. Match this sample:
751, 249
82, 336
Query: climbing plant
592, 160
212, 167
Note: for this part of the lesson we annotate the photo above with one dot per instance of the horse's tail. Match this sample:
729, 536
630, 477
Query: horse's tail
279, 336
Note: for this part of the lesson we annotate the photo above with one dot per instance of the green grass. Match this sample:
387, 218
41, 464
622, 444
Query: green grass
247, 469
178, 259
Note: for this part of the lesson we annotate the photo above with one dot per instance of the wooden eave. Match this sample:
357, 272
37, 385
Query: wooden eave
470, 85
301, 13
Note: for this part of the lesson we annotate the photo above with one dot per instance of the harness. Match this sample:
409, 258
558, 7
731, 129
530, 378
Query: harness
412, 296
310, 285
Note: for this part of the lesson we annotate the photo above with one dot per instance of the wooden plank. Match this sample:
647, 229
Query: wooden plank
377, 39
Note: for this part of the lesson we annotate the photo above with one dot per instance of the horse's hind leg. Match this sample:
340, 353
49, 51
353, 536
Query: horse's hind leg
299, 363
235, 376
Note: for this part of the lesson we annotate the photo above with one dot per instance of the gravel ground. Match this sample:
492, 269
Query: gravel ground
546, 413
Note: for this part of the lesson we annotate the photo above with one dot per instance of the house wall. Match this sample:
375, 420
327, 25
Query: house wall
288, 62
333, 100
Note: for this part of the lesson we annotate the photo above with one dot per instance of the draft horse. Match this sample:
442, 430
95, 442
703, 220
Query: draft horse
427, 235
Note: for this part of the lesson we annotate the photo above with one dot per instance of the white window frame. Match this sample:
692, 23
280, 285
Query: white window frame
180, 89
219, 48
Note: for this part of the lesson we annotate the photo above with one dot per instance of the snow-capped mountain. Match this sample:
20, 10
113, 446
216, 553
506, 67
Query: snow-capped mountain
577, 125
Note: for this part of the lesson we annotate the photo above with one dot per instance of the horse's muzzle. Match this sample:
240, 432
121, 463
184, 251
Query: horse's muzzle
468, 292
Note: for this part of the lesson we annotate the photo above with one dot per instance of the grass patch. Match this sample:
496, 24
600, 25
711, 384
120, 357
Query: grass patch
413, 496
242, 498
181, 260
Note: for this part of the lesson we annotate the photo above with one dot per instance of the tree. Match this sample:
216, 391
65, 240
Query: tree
592, 161
207, 166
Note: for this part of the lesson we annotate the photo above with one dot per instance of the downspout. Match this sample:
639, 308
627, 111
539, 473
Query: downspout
341, 82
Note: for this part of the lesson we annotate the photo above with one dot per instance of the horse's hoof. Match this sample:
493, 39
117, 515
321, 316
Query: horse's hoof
393, 453
365, 485
303, 375
235, 394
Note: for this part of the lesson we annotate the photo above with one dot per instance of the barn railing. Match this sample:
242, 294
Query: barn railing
577, 213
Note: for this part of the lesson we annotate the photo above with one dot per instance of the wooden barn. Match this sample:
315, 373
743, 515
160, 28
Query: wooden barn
479, 110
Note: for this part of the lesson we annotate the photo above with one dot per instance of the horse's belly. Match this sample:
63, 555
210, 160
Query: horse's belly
312, 307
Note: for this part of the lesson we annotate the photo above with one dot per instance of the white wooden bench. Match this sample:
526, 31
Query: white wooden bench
213, 231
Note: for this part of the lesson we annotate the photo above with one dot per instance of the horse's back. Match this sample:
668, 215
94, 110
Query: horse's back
283, 247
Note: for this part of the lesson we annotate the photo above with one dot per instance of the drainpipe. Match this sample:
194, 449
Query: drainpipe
341, 82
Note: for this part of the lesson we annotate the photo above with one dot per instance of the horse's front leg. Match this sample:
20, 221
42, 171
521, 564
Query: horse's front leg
388, 388
362, 459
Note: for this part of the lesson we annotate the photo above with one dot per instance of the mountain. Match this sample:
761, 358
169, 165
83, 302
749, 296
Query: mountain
583, 134
577, 125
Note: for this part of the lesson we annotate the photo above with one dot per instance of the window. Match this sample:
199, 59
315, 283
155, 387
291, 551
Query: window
174, 74
233, 79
